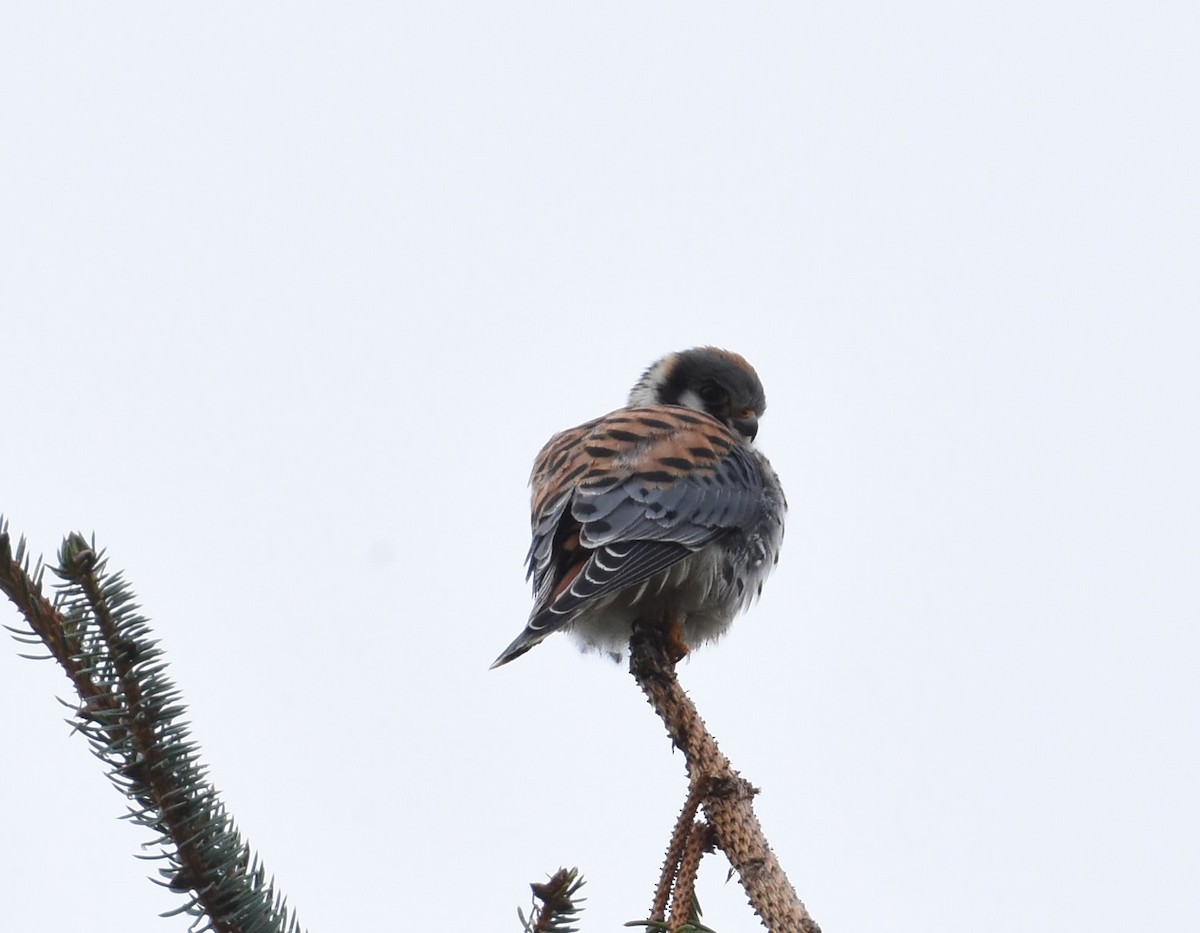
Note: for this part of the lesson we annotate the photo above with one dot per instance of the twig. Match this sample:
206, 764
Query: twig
559, 903
130, 714
728, 801
699, 839
670, 868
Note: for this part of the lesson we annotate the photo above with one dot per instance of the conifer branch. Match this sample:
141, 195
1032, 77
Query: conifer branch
556, 904
684, 907
130, 713
670, 868
727, 797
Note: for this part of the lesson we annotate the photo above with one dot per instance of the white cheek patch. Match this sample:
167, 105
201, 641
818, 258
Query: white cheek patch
689, 398
649, 387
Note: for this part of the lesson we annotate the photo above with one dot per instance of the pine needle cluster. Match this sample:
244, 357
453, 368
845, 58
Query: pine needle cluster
131, 714
556, 904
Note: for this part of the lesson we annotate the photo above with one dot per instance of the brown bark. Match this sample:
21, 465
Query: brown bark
726, 796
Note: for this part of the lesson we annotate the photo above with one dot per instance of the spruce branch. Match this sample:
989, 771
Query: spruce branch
130, 712
685, 909
555, 903
726, 797
670, 868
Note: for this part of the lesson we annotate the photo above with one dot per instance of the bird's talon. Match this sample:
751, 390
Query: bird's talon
676, 648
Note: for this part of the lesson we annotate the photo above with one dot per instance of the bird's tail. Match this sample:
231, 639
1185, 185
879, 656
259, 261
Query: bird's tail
522, 643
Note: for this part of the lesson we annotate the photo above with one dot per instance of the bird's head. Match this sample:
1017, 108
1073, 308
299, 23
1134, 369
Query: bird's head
707, 379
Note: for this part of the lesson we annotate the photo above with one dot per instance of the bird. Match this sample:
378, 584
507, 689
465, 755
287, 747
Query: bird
662, 514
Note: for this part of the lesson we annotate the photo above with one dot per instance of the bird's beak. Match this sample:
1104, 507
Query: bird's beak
747, 425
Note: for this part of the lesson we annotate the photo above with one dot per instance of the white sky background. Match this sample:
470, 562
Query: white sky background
291, 296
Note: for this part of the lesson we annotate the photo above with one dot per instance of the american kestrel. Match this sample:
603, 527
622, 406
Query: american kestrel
661, 513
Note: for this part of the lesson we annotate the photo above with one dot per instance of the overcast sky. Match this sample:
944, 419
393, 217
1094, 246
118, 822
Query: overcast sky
292, 294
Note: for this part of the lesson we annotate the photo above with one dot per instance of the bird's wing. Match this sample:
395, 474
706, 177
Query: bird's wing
623, 497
